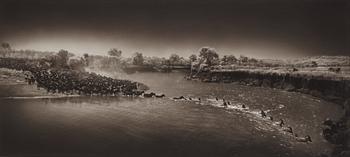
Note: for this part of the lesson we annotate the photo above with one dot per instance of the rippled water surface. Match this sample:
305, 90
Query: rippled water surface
125, 126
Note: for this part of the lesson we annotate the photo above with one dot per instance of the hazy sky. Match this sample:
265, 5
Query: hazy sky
260, 28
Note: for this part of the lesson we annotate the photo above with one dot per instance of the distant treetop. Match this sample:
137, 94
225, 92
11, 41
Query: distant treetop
6, 46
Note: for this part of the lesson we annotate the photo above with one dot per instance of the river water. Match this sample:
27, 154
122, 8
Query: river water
31, 124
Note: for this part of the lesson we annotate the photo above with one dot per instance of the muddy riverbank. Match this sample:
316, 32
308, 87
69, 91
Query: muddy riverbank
329, 89
334, 90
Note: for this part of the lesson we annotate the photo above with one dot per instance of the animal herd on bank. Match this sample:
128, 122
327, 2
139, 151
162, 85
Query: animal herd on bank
66, 81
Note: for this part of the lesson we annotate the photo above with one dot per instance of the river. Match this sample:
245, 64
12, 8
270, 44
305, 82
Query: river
31, 124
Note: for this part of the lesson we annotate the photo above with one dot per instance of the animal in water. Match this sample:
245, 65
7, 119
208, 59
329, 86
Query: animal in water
224, 104
137, 93
190, 98
199, 99
228, 103
263, 114
160, 95
328, 122
270, 117
288, 129
180, 98
306, 138
281, 123
243, 106
216, 98
328, 133
149, 95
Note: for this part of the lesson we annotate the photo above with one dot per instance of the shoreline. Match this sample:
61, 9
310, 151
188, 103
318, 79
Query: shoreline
332, 90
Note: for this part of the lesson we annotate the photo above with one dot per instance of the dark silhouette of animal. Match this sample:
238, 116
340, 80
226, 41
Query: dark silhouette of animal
306, 138
270, 117
281, 123
263, 114
216, 98
224, 104
149, 95
328, 122
137, 93
336, 70
243, 106
288, 129
180, 98
160, 96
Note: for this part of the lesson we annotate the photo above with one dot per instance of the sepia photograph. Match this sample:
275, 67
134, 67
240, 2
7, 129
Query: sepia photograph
174, 78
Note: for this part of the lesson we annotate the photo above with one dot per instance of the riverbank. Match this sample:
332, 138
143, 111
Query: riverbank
152, 68
329, 86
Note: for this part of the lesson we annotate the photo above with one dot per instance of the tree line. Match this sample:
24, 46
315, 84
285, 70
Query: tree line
114, 58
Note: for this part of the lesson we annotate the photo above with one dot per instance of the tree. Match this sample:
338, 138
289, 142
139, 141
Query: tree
208, 55
183, 61
193, 58
154, 61
243, 59
174, 59
314, 64
253, 61
76, 64
6, 46
86, 58
230, 59
63, 58
138, 58
115, 52
86, 55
